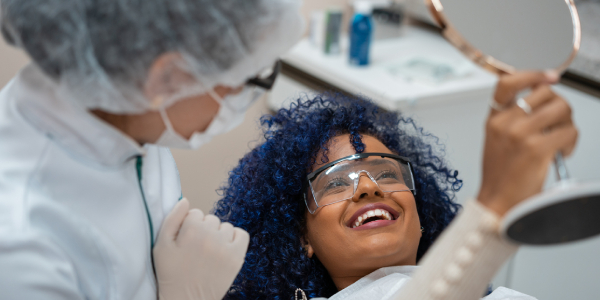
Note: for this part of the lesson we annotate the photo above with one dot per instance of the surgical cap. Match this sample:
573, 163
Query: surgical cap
100, 51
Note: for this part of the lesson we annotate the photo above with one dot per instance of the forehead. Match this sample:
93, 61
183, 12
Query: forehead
340, 146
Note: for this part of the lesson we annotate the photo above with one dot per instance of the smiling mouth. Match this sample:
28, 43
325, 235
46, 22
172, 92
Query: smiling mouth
373, 216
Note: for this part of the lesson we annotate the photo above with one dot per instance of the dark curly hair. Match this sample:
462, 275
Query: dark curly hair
264, 193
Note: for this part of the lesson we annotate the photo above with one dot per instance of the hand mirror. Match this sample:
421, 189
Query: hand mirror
504, 36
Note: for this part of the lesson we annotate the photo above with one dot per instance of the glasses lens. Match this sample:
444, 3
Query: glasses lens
242, 101
333, 184
389, 174
337, 183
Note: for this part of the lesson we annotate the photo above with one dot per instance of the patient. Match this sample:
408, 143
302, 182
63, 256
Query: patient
342, 200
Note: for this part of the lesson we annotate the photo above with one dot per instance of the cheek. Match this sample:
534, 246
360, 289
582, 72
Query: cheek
409, 206
413, 232
324, 231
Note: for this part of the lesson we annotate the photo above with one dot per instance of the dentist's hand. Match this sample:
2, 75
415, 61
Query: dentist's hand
520, 146
196, 256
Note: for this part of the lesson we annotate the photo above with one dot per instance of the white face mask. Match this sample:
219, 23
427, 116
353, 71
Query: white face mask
230, 115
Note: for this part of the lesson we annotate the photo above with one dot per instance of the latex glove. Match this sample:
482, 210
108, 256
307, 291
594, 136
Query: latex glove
197, 256
520, 147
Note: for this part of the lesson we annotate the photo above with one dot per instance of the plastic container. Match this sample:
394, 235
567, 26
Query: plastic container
361, 31
317, 28
333, 31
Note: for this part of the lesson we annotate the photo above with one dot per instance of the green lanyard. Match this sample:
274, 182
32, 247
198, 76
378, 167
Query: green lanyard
138, 166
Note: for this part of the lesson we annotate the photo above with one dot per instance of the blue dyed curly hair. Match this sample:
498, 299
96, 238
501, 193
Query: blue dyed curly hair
264, 193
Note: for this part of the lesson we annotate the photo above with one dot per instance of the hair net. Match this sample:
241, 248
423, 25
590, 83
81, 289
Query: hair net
100, 51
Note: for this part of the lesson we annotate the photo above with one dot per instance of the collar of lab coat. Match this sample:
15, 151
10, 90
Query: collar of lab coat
80, 133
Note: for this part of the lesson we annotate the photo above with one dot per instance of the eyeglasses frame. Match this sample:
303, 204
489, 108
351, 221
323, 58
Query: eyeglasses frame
268, 82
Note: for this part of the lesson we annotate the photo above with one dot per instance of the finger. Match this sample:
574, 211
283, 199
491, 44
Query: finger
553, 114
510, 85
226, 232
561, 139
539, 96
192, 221
211, 222
241, 239
173, 221
568, 149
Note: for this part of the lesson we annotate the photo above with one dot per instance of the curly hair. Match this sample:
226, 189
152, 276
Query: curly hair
264, 193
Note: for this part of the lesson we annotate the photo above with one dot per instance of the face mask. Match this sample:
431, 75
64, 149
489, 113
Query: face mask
230, 115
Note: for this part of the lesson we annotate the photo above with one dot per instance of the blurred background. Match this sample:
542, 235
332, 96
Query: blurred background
414, 70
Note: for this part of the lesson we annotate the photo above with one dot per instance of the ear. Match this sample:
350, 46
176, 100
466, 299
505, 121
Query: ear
166, 77
308, 247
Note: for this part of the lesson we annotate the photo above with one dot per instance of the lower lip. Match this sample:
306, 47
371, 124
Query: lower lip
374, 224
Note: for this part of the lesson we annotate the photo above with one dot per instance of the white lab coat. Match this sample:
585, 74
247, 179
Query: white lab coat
75, 220
385, 282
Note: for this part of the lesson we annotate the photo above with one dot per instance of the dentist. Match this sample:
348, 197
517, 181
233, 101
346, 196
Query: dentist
86, 176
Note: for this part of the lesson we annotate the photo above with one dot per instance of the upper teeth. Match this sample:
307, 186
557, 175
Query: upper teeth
372, 213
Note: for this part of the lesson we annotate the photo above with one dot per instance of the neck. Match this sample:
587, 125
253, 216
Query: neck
143, 128
343, 282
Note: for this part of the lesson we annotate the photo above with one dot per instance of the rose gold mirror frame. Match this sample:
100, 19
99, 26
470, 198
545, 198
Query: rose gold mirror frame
487, 62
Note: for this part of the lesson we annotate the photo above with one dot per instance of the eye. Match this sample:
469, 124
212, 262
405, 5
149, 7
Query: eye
387, 174
336, 183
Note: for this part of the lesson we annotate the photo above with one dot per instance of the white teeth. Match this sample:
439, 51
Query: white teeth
372, 213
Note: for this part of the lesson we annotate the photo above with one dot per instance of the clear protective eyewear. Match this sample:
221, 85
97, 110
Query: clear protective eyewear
338, 180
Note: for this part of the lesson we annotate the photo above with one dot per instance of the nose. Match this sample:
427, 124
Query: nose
366, 187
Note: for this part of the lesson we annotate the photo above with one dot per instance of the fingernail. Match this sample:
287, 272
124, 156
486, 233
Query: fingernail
552, 75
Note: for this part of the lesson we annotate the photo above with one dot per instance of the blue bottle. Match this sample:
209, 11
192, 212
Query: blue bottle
361, 31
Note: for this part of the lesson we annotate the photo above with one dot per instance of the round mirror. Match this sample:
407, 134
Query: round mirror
508, 35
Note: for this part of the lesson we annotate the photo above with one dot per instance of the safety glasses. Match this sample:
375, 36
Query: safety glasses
254, 89
266, 78
338, 180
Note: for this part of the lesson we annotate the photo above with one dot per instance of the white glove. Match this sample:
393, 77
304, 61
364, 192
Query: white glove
196, 256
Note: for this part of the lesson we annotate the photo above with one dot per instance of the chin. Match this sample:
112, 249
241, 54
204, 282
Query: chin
381, 248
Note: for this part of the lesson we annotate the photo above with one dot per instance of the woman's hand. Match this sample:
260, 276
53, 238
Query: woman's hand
196, 256
519, 147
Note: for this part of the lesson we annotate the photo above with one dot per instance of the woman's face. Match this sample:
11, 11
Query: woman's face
352, 253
